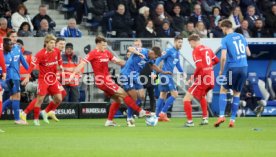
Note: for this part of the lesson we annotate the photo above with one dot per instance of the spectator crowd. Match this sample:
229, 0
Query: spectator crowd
145, 18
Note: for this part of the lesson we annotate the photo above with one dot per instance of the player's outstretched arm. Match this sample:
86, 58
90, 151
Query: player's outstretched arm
77, 69
157, 69
118, 61
222, 61
135, 51
159, 59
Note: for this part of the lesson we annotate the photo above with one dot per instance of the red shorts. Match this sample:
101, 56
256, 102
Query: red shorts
45, 88
199, 89
109, 87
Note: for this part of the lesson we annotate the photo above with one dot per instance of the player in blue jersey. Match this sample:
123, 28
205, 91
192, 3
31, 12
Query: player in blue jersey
233, 65
171, 60
12, 61
131, 71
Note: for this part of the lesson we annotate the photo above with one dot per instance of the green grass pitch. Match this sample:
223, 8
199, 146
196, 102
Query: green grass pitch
89, 138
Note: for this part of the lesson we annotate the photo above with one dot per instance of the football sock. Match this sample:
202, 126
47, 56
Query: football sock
50, 106
130, 111
112, 110
16, 108
159, 106
188, 109
131, 103
6, 104
168, 104
203, 104
222, 104
30, 107
235, 107
36, 113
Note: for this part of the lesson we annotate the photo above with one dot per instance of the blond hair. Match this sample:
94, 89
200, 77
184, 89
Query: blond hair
48, 38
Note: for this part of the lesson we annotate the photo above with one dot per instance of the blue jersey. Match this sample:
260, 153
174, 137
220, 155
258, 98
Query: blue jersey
135, 63
171, 59
12, 61
235, 44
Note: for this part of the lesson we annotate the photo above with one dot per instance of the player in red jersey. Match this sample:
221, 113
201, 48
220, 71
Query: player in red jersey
50, 109
4, 72
47, 59
99, 58
204, 59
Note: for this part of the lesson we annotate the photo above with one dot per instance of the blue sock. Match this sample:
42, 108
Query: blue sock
159, 106
222, 104
6, 104
15, 107
235, 107
130, 111
168, 104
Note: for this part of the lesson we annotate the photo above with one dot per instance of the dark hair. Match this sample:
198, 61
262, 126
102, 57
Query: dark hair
194, 37
60, 39
213, 9
178, 37
226, 23
22, 6
24, 24
10, 33
100, 39
157, 50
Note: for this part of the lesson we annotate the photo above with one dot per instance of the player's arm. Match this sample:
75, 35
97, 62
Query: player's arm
118, 61
222, 60
215, 59
248, 52
34, 62
24, 62
78, 68
157, 69
159, 59
135, 51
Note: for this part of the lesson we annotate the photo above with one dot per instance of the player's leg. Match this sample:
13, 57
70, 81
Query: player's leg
37, 106
163, 114
112, 111
163, 88
237, 87
188, 109
130, 119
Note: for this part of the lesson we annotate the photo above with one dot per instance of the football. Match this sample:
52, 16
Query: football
152, 120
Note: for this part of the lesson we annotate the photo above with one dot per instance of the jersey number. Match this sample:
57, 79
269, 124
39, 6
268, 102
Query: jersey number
207, 57
240, 48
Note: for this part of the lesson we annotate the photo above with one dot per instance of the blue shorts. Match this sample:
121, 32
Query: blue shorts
166, 84
13, 86
238, 78
128, 84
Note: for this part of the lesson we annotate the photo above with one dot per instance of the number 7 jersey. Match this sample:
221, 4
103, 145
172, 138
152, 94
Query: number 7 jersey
235, 45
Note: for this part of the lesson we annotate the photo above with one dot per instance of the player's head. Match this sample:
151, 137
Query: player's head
226, 25
194, 40
13, 36
101, 43
155, 53
50, 42
7, 45
60, 43
178, 40
137, 43
69, 49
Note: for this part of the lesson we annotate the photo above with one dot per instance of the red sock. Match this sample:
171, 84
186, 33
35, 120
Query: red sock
188, 109
131, 103
113, 109
30, 107
36, 112
0, 109
50, 106
203, 104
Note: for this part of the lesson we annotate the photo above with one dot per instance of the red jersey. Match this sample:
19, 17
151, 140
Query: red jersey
2, 62
47, 62
204, 59
99, 61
